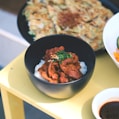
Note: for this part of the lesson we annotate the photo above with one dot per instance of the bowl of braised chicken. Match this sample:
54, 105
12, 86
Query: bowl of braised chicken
59, 65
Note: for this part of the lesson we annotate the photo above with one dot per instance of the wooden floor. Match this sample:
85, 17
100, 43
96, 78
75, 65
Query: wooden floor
12, 5
15, 5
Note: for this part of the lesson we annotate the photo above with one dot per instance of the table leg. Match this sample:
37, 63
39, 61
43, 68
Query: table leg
13, 106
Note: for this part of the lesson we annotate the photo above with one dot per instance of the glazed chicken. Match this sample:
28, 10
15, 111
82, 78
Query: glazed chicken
60, 66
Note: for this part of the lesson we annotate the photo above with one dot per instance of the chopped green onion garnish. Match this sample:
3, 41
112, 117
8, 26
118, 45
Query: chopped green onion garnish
63, 55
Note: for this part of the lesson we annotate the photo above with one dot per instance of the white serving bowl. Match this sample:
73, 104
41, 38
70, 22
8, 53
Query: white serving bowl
107, 95
110, 34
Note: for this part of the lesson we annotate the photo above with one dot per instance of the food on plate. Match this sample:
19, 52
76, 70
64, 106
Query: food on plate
116, 53
59, 66
81, 18
118, 42
39, 22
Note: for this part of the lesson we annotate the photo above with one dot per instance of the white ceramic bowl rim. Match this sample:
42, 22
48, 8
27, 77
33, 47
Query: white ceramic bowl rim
102, 97
110, 34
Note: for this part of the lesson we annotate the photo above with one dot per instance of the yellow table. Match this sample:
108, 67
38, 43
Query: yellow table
16, 87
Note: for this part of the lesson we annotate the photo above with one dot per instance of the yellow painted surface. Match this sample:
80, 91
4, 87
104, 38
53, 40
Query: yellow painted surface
13, 106
15, 80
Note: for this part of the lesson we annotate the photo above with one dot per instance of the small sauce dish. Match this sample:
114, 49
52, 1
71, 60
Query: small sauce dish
105, 104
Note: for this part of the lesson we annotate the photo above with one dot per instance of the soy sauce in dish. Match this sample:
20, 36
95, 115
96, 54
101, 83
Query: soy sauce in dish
110, 110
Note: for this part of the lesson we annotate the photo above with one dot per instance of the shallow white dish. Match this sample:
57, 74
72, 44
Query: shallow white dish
107, 95
110, 34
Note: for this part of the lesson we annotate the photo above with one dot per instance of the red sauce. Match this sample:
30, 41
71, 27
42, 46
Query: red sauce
110, 110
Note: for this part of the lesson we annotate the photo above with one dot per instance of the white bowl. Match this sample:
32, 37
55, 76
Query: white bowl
110, 34
107, 95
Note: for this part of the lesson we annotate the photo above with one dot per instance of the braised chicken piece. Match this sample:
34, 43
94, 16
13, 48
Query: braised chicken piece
50, 52
71, 66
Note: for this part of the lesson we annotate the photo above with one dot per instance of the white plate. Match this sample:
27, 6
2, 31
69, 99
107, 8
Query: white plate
110, 34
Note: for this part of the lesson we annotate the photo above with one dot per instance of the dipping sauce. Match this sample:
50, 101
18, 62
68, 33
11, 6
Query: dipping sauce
110, 110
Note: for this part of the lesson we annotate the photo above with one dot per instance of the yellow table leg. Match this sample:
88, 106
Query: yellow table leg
13, 106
